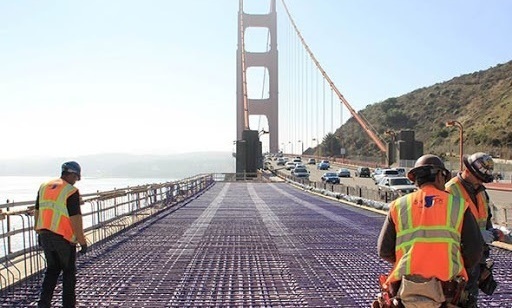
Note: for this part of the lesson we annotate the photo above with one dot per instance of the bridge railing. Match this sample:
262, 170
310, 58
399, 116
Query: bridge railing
104, 214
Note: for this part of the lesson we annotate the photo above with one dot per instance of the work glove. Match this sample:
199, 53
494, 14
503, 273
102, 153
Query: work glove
488, 236
498, 235
83, 249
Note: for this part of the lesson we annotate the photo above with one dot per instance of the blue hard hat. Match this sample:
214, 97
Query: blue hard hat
72, 167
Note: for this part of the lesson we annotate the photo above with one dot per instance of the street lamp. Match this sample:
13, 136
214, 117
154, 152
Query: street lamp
461, 139
301, 147
316, 141
291, 145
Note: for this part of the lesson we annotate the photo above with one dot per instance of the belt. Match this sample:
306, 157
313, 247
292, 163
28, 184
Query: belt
46, 231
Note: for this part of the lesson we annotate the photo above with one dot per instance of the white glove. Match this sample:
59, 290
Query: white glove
488, 236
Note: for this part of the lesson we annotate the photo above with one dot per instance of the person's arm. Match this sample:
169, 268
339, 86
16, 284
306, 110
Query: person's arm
488, 224
387, 240
36, 211
472, 242
76, 224
75, 216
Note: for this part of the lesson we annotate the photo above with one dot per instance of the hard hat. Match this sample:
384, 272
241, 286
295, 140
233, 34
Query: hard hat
72, 167
427, 164
480, 165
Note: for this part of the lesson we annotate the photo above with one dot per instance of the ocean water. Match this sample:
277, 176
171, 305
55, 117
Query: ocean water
24, 188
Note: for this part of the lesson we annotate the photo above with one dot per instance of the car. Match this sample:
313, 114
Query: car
401, 170
385, 173
362, 172
311, 161
330, 177
323, 165
396, 185
343, 173
300, 172
289, 165
299, 165
281, 161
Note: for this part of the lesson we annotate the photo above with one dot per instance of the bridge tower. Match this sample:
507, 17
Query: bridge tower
269, 59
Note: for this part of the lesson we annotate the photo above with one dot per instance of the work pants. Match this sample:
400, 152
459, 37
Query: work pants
60, 257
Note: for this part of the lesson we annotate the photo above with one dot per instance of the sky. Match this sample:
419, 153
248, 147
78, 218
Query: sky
159, 76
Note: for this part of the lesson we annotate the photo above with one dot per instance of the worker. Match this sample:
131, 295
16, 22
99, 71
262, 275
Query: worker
468, 184
430, 237
58, 223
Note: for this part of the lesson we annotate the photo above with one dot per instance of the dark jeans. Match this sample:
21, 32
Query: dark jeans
60, 257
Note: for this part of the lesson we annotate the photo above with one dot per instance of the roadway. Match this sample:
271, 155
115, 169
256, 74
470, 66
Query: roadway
501, 197
243, 244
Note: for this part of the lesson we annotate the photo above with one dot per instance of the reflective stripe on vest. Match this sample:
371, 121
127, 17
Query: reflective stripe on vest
428, 239
479, 210
53, 212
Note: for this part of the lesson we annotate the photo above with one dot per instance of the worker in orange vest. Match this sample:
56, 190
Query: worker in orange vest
58, 223
430, 237
468, 184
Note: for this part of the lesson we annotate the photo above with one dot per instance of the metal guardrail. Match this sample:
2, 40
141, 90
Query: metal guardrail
104, 214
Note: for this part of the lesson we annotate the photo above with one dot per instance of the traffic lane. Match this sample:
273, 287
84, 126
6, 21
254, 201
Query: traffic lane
315, 175
502, 199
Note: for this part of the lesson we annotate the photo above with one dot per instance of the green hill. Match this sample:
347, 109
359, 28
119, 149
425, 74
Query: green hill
480, 101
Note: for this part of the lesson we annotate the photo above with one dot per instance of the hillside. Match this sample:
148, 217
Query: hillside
480, 101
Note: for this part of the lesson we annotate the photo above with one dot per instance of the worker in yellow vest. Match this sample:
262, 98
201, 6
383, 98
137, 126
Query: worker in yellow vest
430, 237
58, 223
468, 184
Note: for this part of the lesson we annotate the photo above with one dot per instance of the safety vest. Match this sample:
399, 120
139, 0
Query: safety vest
428, 225
53, 212
480, 210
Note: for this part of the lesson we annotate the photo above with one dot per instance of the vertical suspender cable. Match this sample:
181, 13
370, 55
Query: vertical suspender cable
306, 100
323, 100
244, 72
380, 144
332, 111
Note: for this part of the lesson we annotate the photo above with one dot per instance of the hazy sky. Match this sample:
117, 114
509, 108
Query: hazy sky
159, 76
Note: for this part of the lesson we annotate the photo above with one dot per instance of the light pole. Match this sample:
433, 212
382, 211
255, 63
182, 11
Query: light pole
316, 146
461, 139
291, 145
301, 147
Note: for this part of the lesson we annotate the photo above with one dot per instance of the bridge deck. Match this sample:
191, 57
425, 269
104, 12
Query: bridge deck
243, 244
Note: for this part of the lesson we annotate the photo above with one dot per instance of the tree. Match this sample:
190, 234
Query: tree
331, 145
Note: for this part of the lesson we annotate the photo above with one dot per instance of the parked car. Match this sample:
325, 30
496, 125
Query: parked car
323, 165
396, 185
300, 172
362, 172
311, 161
343, 173
385, 173
330, 177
